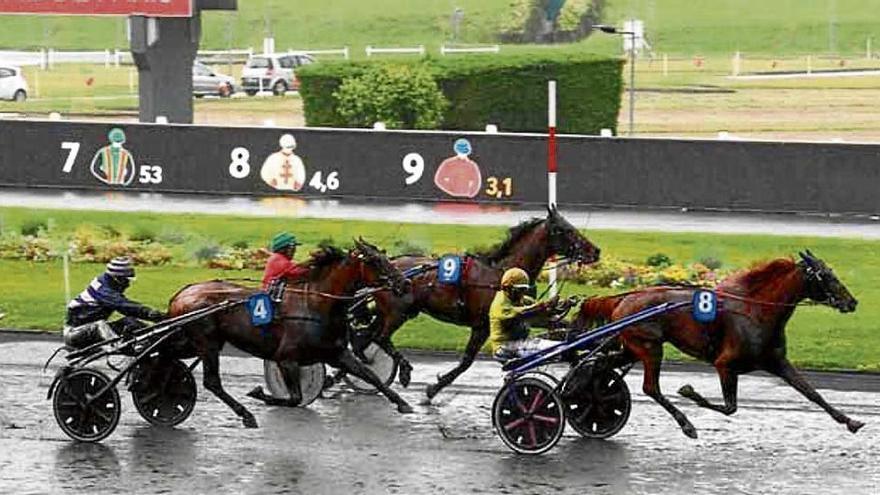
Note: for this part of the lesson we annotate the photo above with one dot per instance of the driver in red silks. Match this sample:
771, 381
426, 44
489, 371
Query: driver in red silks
281, 265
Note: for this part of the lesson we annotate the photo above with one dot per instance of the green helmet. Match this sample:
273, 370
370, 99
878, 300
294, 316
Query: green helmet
282, 241
116, 135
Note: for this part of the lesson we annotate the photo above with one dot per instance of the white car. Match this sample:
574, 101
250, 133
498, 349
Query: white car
273, 72
13, 86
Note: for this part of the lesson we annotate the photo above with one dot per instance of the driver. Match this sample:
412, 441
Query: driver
87, 313
280, 265
508, 329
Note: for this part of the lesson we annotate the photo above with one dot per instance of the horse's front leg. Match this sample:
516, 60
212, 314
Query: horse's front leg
792, 376
290, 372
404, 368
479, 334
728, 389
350, 364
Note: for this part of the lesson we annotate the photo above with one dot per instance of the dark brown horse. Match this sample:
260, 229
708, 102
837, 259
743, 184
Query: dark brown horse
310, 325
528, 246
748, 333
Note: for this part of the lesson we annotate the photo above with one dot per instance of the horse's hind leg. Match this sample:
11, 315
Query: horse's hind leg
290, 372
478, 338
728, 388
651, 354
211, 381
792, 376
348, 362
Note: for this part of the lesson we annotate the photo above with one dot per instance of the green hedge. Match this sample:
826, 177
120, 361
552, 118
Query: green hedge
507, 90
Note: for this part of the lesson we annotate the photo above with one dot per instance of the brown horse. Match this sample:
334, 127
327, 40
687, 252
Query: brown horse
528, 246
310, 324
748, 333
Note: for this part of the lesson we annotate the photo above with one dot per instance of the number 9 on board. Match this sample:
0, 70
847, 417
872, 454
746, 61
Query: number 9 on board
449, 269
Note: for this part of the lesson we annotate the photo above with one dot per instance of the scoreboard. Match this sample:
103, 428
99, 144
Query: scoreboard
151, 8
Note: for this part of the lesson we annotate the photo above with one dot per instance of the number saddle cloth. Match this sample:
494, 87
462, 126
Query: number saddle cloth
452, 269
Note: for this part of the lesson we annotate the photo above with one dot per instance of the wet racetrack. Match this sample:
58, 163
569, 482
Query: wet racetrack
345, 443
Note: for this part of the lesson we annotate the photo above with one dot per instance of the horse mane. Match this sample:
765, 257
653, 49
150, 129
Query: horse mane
323, 257
759, 275
501, 250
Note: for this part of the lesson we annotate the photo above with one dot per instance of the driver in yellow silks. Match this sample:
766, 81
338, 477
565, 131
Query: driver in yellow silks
508, 329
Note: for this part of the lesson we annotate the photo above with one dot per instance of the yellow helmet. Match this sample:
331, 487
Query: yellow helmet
513, 277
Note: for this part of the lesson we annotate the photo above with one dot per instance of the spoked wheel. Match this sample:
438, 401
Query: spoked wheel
163, 391
599, 407
80, 413
528, 415
381, 363
311, 381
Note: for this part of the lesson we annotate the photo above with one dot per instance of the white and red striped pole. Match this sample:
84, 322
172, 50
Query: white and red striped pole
551, 168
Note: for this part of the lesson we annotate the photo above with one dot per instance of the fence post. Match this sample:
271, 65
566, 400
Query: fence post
809, 64
736, 63
665, 65
49, 58
369, 50
345, 52
44, 59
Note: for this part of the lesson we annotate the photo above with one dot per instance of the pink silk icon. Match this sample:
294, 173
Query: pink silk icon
459, 176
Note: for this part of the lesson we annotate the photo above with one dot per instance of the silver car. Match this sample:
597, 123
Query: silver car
13, 85
206, 81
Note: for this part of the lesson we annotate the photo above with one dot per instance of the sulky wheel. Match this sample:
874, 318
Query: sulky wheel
599, 406
379, 362
163, 391
311, 381
80, 413
528, 415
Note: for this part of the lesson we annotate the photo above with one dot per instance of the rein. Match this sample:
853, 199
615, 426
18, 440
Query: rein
722, 293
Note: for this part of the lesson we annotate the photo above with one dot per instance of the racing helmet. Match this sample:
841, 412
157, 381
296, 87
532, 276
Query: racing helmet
515, 278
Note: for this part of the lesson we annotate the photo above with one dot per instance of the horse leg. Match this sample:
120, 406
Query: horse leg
478, 338
792, 376
404, 368
348, 362
290, 373
651, 355
211, 381
728, 389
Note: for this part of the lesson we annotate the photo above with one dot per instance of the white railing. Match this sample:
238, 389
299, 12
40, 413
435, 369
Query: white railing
452, 49
224, 56
373, 50
344, 52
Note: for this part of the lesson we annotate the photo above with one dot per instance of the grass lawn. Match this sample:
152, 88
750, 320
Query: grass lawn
32, 294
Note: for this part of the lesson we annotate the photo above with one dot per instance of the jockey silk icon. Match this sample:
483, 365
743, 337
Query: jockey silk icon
283, 170
114, 165
459, 176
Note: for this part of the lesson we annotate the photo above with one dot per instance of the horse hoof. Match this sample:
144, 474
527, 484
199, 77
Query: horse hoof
256, 393
431, 391
249, 422
686, 391
854, 426
405, 408
690, 431
404, 376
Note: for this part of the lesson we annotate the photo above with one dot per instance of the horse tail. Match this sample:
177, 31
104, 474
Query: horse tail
595, 311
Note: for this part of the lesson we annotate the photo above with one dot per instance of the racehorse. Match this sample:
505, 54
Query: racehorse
310, 324
528, 246
748, 333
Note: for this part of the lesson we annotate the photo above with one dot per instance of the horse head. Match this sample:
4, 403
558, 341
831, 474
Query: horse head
568, 241
377, 270
823, 286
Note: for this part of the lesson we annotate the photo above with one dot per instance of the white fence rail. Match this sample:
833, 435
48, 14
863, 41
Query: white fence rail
452, 49
373, 50
343, 52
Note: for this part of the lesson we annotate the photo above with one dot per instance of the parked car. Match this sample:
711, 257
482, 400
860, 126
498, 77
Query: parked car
273, 72
13, 85
206, 81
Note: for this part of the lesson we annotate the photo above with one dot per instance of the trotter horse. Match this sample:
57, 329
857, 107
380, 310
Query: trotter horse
528, 246
309, 327
748, 333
